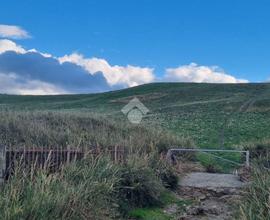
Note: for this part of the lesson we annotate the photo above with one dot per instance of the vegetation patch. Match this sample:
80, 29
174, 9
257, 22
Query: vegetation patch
188, 115
256, 203
159, 212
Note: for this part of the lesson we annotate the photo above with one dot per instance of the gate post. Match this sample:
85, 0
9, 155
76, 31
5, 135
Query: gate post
2, 163
169, 157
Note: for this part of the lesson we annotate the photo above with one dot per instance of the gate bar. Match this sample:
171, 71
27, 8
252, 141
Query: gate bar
171, 151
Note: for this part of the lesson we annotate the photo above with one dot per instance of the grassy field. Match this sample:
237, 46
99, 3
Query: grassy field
210, 114
181, 114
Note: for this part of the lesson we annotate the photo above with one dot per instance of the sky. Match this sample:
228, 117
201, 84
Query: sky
56, 47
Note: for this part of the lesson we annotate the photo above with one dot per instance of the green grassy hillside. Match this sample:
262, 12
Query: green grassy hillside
205, 112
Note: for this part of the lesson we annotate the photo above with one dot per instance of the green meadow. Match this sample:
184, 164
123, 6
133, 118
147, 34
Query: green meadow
229, 116
212, 115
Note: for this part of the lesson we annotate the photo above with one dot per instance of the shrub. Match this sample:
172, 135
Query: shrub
139, 187
260, 152
258, 149
164, 171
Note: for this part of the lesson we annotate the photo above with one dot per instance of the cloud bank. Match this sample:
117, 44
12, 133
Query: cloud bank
68, 74
25, 71
21, 72
13, 32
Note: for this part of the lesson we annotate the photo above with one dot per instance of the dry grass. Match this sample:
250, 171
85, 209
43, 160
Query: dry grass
80, 129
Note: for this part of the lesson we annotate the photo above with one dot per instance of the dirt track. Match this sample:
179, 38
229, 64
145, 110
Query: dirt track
214, 196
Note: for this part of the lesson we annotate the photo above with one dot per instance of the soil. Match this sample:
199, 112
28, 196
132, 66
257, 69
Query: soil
213, 196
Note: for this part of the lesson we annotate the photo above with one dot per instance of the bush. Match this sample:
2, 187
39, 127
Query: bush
258, 150
139, 187
164, 171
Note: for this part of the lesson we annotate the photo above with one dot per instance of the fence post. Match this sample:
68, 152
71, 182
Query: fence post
2, 163
247, 158
68, 154
115, 153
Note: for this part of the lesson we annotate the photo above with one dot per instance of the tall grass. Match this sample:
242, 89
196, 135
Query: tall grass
93, 188
256, 204
80, 191
80, 129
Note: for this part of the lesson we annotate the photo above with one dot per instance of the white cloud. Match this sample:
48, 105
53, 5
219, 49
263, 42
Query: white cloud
8, 45
47, 55
75, 73
14, 84
12, 31
200, 74
115, 75
125, 76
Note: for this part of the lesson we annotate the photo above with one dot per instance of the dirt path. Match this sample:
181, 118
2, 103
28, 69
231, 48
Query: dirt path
213, 195
208, 180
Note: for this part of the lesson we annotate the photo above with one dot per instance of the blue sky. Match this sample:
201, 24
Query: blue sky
228, 37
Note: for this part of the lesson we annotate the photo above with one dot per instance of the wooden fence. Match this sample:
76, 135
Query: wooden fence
50, 158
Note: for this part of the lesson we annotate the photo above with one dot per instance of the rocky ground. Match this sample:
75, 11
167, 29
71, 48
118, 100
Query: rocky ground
212, 196
210, 203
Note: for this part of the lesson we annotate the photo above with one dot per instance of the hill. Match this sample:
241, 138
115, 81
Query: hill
208, 113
